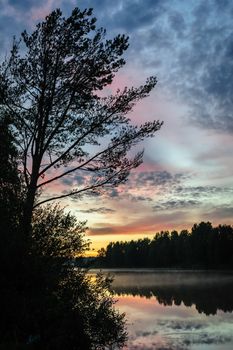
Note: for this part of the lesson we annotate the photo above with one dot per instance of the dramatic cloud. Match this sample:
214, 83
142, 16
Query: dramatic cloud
189, 45
187, 172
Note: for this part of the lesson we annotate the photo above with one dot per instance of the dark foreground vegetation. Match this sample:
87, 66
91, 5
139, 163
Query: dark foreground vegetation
54, 124
45, 302
204, 246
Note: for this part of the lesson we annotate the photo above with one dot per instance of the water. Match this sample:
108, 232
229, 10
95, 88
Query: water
176, 310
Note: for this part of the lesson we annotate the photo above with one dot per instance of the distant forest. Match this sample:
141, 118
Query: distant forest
204, 246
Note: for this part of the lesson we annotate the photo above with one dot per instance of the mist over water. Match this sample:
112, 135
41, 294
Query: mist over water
176, 310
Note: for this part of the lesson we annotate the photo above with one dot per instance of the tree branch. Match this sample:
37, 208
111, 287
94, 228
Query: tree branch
92, 187
53, 133
122, 142
18, 115
82, 137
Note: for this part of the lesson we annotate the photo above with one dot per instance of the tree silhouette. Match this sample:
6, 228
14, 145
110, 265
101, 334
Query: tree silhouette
204, 247
51, 91
76, 310
45, 302
55, 122
11, 199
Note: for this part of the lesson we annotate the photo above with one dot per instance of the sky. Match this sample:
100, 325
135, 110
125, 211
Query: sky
187, 173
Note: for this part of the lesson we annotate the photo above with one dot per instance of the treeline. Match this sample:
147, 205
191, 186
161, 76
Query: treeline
204, 246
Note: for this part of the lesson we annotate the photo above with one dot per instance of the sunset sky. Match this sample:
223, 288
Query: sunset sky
187, 174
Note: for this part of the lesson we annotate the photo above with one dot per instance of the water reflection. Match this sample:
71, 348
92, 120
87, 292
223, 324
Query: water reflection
176, 310
207, 292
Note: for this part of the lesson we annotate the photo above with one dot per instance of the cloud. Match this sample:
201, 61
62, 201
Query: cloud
202, 191
219, 213
24, 5
148, 224
203, 74
27, 11
101, 210
113, 193
142, 186
38, 12
176, 204
15, 16
133, 15
213, 201
105, 230
177, 23
189, 46
74, 179
155, 179
141, 199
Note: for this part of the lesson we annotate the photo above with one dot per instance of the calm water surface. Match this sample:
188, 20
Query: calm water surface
176, 310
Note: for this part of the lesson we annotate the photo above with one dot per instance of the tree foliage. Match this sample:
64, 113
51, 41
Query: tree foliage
56, 234
45, 302
55, 122
204, 247
10, 186
76, 309
51, 92
11, 201
48, 303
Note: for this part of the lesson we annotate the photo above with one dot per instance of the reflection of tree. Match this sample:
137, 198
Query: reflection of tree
208, 298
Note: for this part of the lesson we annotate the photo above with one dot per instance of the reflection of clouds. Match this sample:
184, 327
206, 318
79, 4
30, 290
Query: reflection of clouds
208, 338
152, 326
181, 325
145, 333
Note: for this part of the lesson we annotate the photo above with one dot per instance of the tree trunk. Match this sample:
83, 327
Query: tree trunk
27, 213
30, 199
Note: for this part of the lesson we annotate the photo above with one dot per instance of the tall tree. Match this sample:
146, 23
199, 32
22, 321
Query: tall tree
11, 199
51, 91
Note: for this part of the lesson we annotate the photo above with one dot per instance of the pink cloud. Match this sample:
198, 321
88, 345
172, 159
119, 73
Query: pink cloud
40, 12
149, 224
